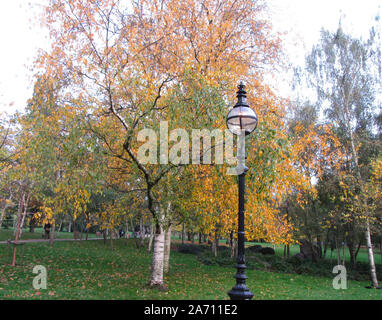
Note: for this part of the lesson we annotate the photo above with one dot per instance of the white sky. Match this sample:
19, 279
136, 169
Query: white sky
303, 20
21, 36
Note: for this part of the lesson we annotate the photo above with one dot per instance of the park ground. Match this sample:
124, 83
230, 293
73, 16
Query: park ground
91, 270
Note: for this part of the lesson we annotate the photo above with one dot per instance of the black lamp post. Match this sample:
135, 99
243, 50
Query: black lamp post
241, 119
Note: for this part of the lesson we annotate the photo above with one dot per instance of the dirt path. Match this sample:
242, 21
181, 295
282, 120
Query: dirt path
47, 240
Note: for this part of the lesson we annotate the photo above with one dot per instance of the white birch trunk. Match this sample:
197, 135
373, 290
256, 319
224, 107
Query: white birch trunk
17, 221
373, 273
24, 214
156, 277
370, 252
22, 224
167, 250
23, 205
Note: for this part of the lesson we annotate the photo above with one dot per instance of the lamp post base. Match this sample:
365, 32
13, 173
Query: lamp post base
240, 292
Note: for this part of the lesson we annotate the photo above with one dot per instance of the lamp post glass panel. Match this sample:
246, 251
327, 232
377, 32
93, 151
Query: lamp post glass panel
241, 120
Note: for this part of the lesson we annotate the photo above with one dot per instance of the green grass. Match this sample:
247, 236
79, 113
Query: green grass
90, 270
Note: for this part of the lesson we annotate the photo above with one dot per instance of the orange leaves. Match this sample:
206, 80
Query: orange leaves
111, 215
315, 148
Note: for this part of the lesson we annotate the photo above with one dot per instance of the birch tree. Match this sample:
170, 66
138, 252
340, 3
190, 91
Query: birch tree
345, 72
126, 64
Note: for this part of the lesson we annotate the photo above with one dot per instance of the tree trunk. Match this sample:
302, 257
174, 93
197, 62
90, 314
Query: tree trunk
127, 229
338, 252
215, 244
353, 257
21, 205
2, 215
358, 248
151, 237
373, 273
87, 228
326, 245
352, 254
32, 224
6, 206
22, 223
167, 250
183, 233
111, 239
156, 277
343, 254
19, 212
319, 244
24, 213
232, 244
104, 236
141, 232
51, 239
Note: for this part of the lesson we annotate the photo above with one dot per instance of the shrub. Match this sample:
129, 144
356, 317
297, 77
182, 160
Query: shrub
267, 251
255, 248
190, 248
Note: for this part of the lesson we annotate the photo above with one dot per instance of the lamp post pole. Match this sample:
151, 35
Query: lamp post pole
240, 290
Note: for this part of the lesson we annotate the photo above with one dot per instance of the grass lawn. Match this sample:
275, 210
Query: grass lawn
90, 270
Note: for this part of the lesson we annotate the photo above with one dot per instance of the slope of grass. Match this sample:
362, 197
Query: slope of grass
90, 270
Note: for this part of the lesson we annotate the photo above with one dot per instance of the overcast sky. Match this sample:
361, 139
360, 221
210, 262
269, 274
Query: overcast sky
21, 36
